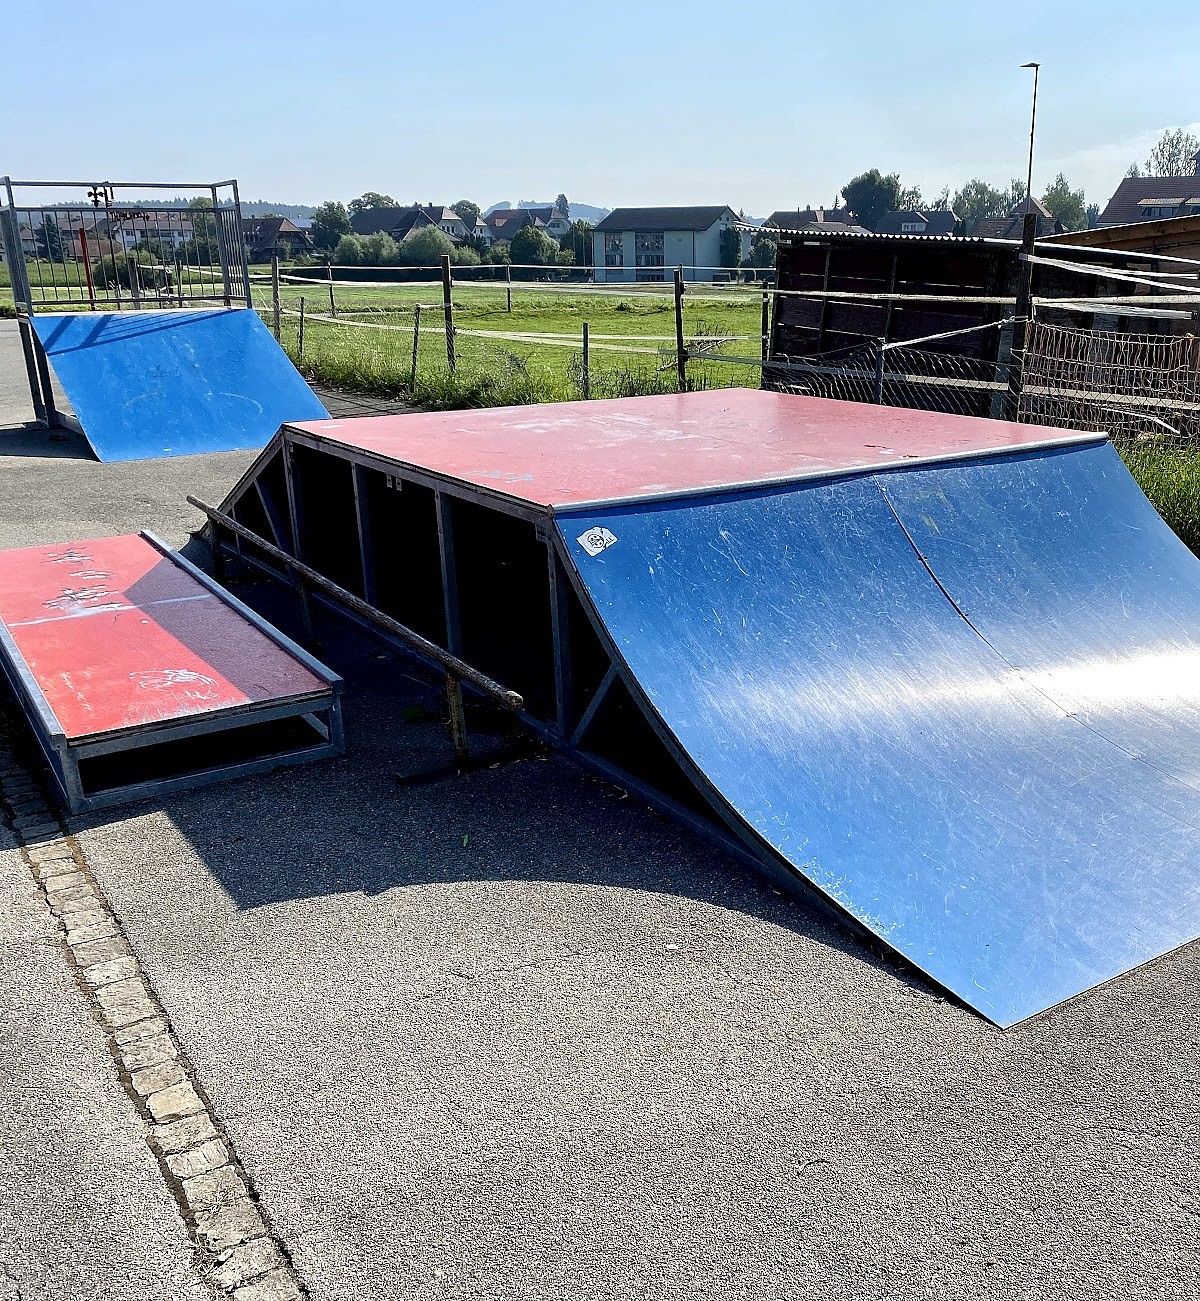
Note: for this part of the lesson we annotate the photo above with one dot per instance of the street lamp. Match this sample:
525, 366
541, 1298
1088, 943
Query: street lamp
1032, 125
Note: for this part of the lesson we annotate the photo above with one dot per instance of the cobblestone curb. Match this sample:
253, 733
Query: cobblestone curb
236, 1251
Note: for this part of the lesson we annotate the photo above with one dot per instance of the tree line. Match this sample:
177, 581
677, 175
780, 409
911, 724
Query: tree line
872, 195
333, 235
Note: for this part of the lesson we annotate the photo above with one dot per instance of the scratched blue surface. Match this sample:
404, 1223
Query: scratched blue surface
832, 694
1061, 563
146, 384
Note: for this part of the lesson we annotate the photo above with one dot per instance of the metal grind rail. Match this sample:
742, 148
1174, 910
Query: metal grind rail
457, 671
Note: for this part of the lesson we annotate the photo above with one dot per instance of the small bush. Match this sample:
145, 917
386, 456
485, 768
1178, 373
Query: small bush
121, 268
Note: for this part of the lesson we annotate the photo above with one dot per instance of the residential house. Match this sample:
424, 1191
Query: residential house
556, 222
131, 226
504, 223
265, 236
803, 218
911, 221
1013, 226
399, 223
1153, 198
639, 244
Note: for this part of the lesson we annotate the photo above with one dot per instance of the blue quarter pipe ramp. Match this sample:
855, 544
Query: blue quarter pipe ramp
163, 383
1010, 802
944, 672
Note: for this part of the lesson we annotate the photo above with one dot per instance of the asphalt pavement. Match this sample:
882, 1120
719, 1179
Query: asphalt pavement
514, 1035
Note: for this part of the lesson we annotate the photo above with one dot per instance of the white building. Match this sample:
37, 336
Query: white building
633, 244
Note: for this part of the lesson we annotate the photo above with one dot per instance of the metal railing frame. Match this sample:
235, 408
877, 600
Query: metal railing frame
77, 290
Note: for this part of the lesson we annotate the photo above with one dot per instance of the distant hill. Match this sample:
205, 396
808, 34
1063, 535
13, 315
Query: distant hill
296, 211
579, 211
250, 207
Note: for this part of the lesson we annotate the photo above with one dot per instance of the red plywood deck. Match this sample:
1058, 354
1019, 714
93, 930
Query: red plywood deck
623, 449
119, 637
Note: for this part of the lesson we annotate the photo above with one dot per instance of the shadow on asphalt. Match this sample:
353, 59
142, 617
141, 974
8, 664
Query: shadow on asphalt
33, 440
375, 819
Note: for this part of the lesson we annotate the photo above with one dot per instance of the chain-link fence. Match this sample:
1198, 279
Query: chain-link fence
1135, 387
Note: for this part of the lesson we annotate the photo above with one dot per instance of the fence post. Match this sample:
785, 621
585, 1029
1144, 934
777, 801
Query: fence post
508, 283
680, 350
301, 348
766, 328
276, 315
448, 309
332, 304
87, 267
416, 336
879, 348
1023, 314
586, 380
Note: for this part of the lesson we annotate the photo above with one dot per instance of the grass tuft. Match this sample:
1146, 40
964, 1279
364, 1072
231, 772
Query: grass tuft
1170, 477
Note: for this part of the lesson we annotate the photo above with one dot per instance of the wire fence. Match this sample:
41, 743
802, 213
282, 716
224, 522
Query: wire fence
1135, 387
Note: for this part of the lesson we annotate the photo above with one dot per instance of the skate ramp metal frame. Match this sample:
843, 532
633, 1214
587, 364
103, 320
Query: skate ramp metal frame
173, 383
140, 675
940, 672
141, 308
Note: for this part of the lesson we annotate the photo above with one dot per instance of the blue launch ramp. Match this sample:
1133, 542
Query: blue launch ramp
164, 383
925, 773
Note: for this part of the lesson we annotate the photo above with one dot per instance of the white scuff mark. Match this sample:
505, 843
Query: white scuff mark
165, 679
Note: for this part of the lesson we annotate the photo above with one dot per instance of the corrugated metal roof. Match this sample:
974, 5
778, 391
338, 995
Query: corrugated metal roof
819, 234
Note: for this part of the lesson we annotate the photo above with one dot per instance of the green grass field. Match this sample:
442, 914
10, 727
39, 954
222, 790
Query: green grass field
370, 345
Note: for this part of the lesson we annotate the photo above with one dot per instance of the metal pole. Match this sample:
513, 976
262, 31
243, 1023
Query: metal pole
508, 283
680, 350
586, 383
301, 348
879, 372
276, 313
1032, 125
243, 252
221, 235
1024, 303
332, 304
766, 327
448, 310
458, 720
416, 338
87, 267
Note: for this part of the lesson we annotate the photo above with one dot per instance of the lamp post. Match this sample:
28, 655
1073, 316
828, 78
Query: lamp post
1024, 303
1032, 125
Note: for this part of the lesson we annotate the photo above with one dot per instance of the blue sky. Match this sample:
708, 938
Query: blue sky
759, 106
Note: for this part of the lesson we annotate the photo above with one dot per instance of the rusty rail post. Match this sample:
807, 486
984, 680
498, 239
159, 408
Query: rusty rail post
448, 310
680, 349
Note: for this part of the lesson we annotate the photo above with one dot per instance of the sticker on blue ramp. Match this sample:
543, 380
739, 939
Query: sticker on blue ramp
146, 384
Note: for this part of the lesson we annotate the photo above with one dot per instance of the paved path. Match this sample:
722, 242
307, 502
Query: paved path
83, 1212
516, 1036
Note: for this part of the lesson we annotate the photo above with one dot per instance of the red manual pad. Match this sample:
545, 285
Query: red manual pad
570, 453
117, 637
